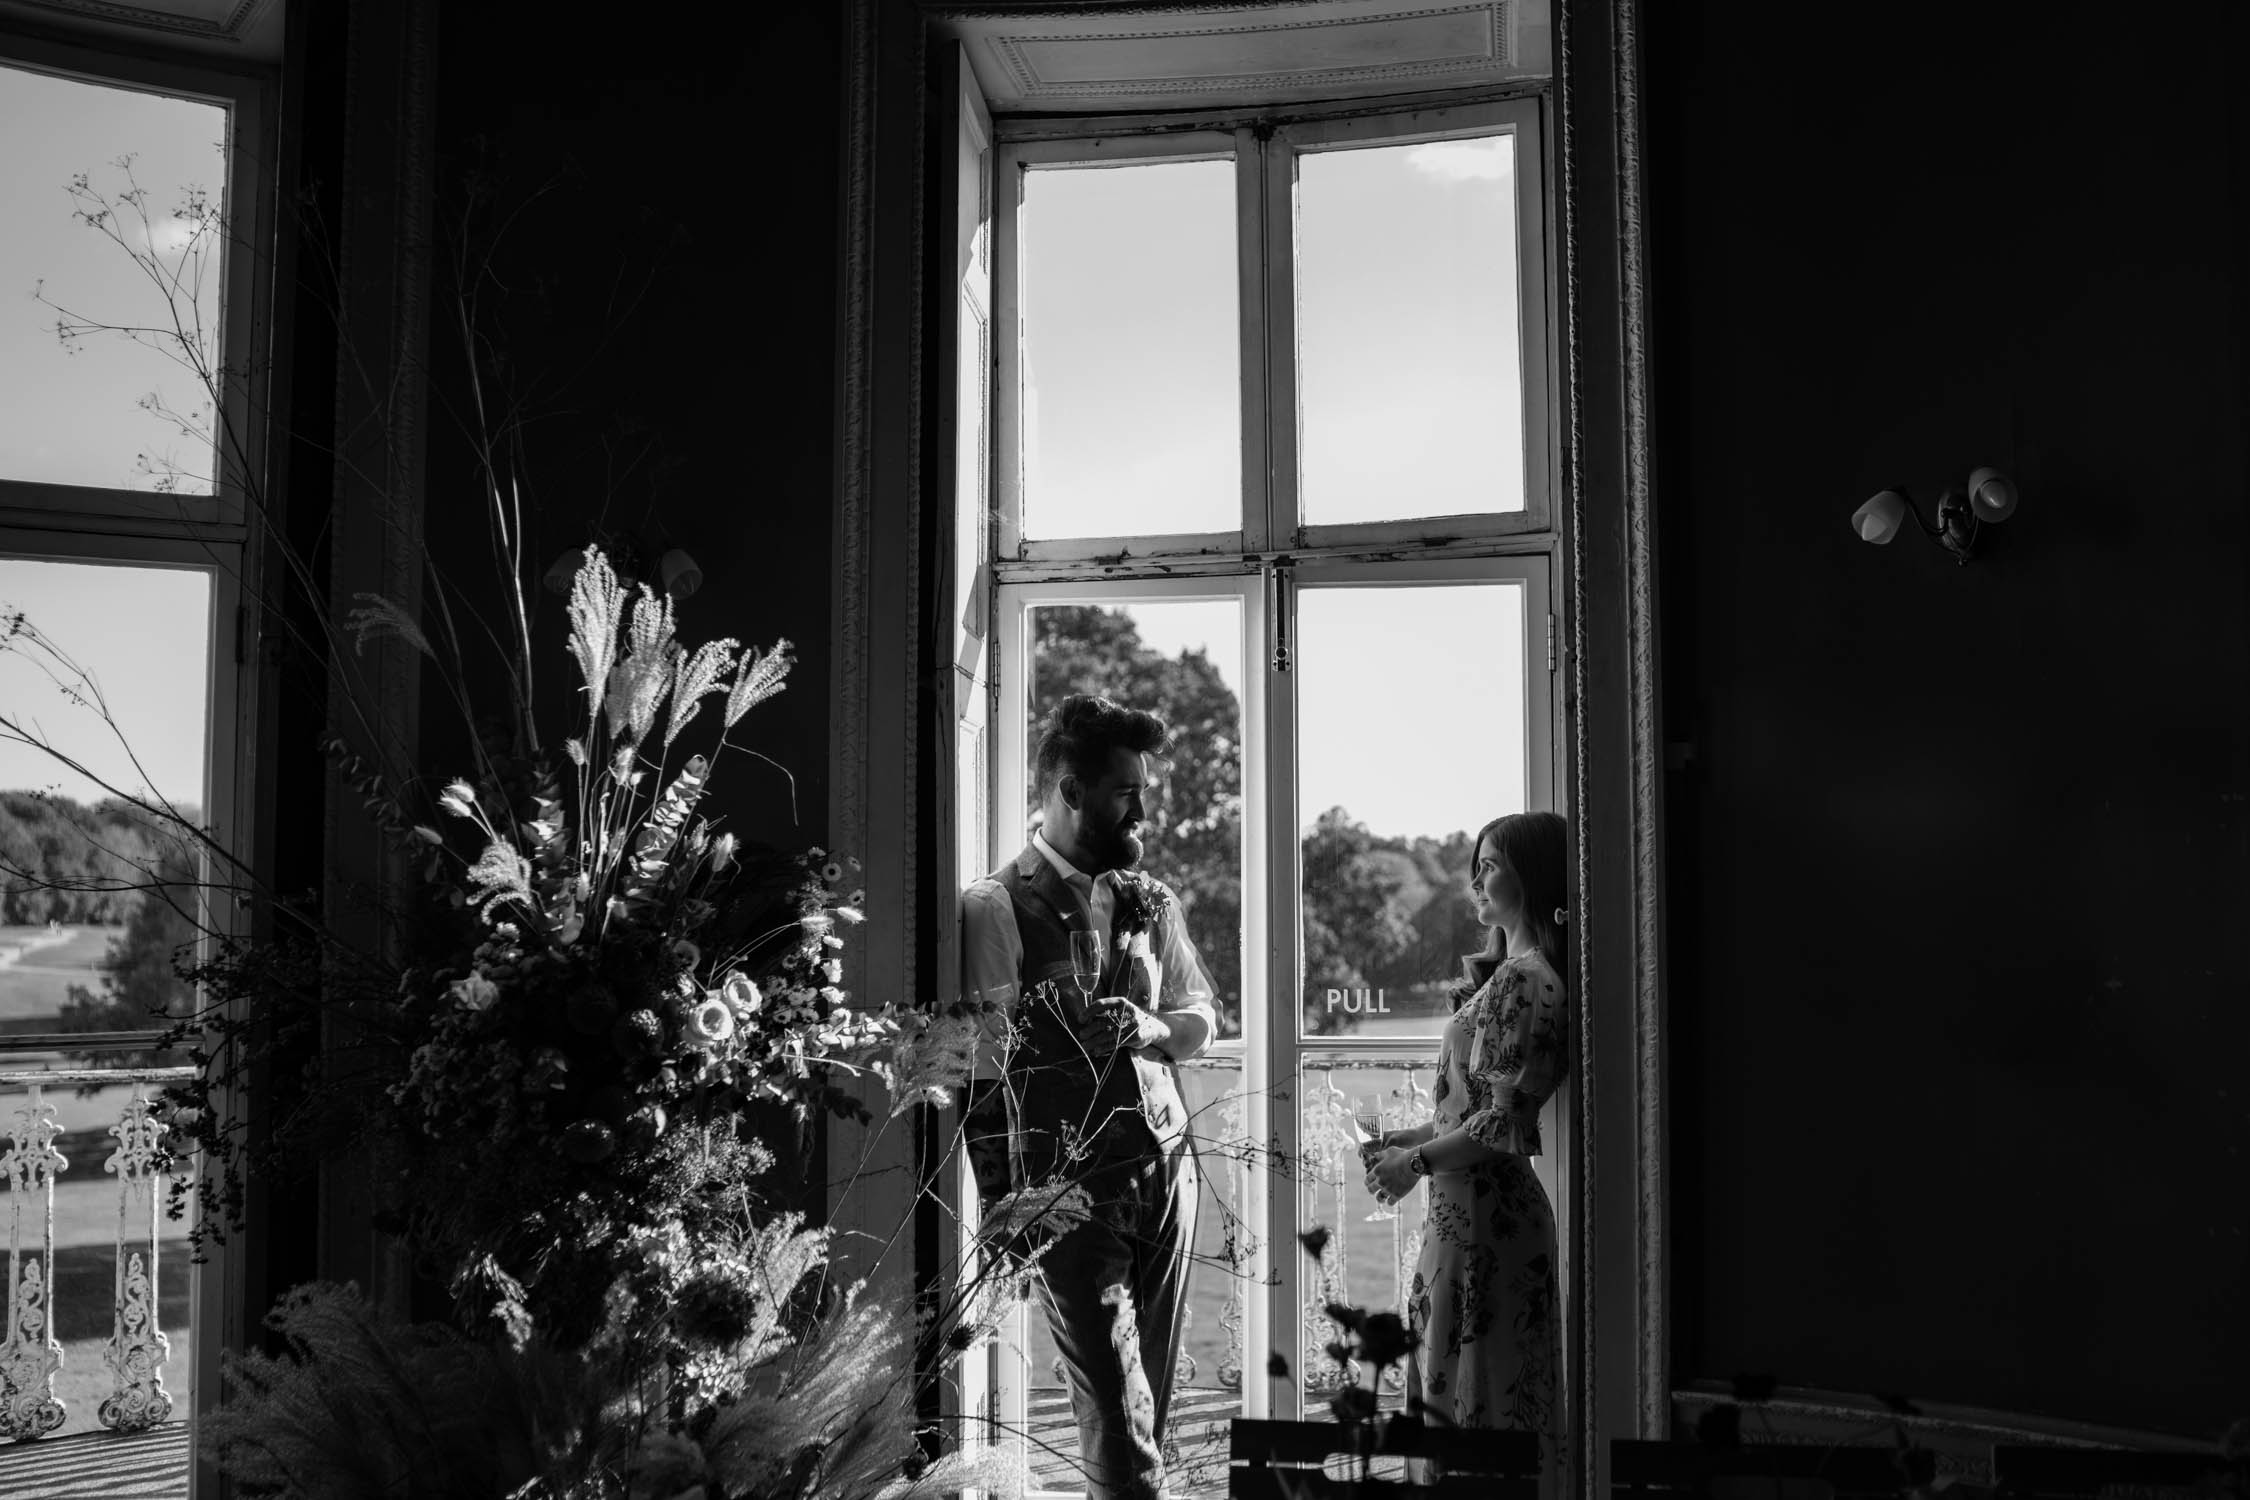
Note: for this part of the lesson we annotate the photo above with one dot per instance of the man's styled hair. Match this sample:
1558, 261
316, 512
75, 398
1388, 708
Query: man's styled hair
1082, 734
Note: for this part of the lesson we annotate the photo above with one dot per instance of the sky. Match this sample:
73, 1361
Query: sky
1410, 700
144, 635
1410, 398
73, 418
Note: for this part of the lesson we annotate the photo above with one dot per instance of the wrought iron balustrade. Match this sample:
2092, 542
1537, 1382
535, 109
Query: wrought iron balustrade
129, 1151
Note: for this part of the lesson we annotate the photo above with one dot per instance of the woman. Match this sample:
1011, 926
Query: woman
1484, 1297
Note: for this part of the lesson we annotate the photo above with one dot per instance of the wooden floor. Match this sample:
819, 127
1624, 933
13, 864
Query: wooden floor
1195, 1456
154, 1465
146, 1466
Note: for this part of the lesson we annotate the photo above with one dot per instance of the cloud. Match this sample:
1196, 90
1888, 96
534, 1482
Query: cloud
169, 235
1488, 158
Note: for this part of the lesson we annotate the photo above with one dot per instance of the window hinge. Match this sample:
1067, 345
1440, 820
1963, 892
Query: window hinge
1554, 648
241, 632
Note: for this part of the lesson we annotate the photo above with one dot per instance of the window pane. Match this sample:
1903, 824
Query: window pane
91, 959
1411, 721
1131, 362
1182, 661
153, 170
1410, 377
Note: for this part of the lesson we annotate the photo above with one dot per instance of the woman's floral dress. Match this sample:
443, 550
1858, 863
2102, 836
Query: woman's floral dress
1484, 1297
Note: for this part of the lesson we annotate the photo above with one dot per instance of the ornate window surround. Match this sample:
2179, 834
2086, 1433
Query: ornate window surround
96, 525
890, 733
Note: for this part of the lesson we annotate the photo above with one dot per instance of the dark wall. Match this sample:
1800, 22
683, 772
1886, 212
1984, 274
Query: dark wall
662, 228
1957, 865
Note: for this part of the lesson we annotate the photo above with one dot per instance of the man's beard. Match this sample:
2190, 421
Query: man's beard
1117, 847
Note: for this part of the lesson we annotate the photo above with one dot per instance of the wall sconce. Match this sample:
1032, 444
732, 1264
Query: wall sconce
1991, 498
674, 572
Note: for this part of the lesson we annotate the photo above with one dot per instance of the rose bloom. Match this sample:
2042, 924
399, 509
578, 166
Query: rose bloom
710, 1023
741, 992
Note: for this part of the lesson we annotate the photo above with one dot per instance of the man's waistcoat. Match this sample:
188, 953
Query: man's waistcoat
1125, 1103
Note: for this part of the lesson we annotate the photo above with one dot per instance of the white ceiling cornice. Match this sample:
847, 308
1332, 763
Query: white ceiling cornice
1044, 58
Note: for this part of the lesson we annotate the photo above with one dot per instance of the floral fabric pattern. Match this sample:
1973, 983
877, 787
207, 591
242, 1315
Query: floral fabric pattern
1484, 1297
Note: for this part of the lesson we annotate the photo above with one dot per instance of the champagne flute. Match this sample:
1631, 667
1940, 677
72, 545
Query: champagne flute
1373, 1121
1085, 968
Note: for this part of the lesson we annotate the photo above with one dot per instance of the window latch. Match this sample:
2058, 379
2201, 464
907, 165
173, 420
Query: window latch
1277, 571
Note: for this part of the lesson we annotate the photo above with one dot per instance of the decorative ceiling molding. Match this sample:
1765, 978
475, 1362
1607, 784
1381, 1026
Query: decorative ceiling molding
1254, 54
248, 28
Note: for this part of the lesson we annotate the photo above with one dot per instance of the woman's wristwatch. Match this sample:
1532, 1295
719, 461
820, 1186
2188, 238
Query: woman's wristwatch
1419, 1162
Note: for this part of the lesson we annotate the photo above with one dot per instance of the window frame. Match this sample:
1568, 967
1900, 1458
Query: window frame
47, 521
1520, 118
244, 306
1264, 149
1011, 163
1271, 554
215, 1278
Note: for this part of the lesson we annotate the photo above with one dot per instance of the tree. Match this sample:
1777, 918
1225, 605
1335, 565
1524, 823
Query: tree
140, 988
1378, 912
65, 861
1195, 843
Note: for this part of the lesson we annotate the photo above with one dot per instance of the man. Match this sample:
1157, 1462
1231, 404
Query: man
1089, 1086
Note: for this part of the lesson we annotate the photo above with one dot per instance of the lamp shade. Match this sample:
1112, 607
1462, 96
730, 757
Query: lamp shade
1992, 495
564, 569
1880, 518
678, 573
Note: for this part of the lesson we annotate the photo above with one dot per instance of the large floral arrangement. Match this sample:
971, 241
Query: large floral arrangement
608, 1010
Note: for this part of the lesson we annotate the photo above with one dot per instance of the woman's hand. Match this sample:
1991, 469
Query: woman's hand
1393, 1175
1410, 1136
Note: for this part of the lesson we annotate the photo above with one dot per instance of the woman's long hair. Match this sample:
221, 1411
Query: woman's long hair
1536, 846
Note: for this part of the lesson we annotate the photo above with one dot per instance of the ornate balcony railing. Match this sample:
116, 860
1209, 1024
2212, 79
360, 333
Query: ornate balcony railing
121, 1158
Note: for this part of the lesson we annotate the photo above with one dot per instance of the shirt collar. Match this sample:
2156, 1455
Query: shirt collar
1070, 873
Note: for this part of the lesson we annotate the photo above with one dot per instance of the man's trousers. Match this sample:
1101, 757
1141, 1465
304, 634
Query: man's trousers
1113, 1290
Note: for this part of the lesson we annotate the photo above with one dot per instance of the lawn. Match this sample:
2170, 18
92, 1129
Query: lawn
36, 974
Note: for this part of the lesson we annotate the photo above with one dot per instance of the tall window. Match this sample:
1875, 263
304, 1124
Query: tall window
1270, 455
128, 434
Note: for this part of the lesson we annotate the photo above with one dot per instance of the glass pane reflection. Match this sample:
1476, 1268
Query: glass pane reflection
1411, 723
1410, 375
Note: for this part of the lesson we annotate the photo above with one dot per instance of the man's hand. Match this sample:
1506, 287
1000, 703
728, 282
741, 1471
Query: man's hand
1114, 1024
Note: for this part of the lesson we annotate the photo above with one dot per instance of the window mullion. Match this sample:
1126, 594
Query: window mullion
1277, 238
1258, 529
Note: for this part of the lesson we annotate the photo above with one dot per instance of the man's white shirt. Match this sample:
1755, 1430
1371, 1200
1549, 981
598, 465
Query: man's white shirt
992, 949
